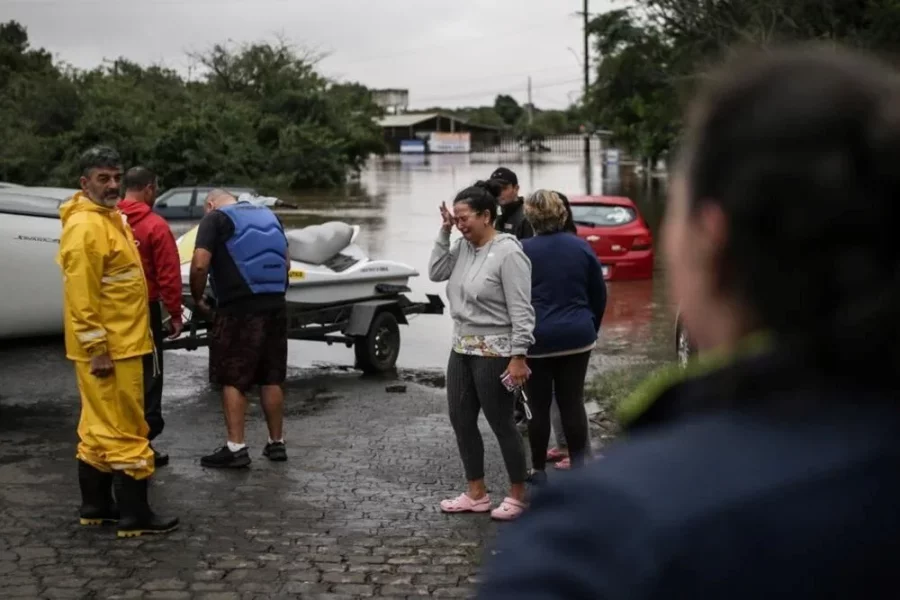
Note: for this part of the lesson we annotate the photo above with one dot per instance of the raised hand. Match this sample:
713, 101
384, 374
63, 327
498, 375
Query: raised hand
447, 217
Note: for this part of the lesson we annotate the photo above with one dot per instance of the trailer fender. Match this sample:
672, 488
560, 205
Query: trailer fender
363, 313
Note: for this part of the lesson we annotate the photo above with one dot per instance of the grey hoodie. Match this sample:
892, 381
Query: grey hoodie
489, 288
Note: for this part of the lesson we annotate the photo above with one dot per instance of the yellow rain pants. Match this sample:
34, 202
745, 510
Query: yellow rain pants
106, 312
112, 428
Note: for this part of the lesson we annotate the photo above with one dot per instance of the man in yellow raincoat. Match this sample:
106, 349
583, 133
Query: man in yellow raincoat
107, 333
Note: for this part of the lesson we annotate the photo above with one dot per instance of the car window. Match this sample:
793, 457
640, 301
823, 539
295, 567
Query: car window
29, 205
602, 215
234, 191
179, 199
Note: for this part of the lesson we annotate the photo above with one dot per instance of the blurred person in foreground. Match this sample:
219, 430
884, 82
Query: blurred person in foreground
107, 331
768, 468
569, 298
162, 270
489, 291
241, 249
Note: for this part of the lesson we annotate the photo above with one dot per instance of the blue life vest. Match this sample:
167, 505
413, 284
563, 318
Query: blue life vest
258, 247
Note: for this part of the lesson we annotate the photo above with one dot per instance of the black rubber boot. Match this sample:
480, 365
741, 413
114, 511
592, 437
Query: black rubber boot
97, 504
137, 517
160, 459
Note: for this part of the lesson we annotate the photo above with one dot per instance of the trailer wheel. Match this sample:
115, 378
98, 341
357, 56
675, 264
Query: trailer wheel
377, 351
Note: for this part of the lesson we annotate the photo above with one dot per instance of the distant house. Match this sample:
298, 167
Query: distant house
409, 130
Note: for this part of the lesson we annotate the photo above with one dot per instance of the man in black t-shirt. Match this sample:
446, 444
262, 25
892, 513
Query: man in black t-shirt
242, 248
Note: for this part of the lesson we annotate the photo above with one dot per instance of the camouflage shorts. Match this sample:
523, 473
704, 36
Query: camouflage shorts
248, 349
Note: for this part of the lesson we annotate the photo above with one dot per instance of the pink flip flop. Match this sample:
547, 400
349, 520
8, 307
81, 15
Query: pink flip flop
556, 455
463, 503
508, 510
564, 464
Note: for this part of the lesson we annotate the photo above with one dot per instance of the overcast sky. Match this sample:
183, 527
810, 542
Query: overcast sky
457, 53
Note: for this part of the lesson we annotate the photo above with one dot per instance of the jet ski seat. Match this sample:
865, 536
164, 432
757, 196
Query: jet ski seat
316, 244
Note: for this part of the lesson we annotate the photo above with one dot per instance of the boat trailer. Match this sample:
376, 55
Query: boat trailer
370, 326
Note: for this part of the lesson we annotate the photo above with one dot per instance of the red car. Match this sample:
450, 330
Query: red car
617, 232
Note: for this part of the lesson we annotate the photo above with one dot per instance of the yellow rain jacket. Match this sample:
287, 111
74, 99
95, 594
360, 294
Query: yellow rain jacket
105, 295
106, 311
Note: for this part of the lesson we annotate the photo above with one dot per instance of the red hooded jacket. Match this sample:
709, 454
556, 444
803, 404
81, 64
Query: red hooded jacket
159, 254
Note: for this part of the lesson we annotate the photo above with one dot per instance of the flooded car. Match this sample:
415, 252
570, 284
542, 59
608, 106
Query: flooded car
618, 234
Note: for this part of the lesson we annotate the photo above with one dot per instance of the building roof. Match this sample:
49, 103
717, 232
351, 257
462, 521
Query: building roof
408, 119
411, 119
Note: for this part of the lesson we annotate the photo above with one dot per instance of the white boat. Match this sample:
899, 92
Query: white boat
31, 299
327, 267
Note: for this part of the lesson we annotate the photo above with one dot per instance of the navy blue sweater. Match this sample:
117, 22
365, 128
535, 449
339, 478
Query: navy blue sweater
567, 291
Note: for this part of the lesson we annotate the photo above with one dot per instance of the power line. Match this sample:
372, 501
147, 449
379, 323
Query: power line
493, 92
457, 45
517, 75
565, 99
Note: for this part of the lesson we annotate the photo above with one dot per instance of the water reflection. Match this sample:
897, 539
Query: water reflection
396, 205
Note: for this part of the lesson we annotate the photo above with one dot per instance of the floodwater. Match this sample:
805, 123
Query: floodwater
396, 205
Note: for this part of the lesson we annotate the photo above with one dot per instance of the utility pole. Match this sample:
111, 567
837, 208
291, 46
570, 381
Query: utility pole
587, 69
115, 64
530, 103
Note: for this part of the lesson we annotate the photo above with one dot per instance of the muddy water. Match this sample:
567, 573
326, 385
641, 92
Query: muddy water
396, 205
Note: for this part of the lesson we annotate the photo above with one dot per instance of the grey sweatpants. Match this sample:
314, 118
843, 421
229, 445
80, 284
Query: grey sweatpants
473, 385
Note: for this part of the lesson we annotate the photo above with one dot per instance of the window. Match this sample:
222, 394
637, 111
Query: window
602, 215
178, 199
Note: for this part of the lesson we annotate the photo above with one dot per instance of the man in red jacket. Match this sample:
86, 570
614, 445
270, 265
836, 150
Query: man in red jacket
162, 270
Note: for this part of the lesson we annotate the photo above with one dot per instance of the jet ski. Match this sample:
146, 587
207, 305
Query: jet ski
327, 267
336, 294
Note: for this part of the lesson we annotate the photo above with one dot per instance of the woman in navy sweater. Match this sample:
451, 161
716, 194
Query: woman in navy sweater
569, 297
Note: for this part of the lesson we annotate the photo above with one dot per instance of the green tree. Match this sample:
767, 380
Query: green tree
261, 115
633, 95
508, 109
650, 56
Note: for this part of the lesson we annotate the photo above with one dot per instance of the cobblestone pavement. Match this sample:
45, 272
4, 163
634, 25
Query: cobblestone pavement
353, 513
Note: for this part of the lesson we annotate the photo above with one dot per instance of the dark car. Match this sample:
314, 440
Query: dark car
187, 202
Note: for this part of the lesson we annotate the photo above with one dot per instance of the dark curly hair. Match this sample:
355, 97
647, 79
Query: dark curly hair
800, 147
481, 197
99, 157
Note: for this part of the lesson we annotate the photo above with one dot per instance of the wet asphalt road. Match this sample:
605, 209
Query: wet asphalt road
353, 513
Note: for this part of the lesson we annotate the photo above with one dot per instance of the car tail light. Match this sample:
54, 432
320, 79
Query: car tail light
642, 242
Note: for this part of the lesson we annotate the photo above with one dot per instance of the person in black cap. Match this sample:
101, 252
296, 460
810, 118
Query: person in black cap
512, 221
512, 216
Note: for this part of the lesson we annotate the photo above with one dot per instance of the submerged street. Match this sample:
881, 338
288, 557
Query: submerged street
354, 511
